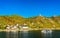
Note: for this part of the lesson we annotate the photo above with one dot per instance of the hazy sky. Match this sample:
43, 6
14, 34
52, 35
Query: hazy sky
28, 8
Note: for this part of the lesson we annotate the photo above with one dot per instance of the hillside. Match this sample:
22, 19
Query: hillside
33, 22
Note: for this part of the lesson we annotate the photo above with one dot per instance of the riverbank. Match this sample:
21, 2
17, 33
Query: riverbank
6, 30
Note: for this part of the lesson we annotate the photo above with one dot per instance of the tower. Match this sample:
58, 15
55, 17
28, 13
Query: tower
39, 14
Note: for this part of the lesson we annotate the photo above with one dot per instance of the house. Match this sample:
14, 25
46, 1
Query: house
8, 27
14, 28
24, 27
11, 27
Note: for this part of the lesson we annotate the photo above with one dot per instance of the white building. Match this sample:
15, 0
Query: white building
39, 14
14, 28
24, 27
8, 27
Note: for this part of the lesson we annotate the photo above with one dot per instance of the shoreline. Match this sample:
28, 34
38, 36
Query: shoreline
5, 30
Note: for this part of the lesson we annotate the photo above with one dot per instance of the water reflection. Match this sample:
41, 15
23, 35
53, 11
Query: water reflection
12, 35
46, 35
29, 34
24, 34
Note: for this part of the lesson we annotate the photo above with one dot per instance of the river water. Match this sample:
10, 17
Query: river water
30, 34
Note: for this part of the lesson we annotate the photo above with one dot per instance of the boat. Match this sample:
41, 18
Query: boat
46, 31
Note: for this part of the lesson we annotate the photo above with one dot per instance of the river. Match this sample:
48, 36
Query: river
30, 34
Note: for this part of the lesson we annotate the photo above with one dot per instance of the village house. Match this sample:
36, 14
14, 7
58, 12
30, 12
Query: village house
11, 27
8, 27
16, 27
24, 27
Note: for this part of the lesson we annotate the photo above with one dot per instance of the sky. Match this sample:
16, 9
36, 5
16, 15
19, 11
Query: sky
29, 8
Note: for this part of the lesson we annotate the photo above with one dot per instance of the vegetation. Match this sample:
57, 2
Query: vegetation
32, 22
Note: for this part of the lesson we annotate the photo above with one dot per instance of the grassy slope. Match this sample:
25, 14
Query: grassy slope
39, 21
